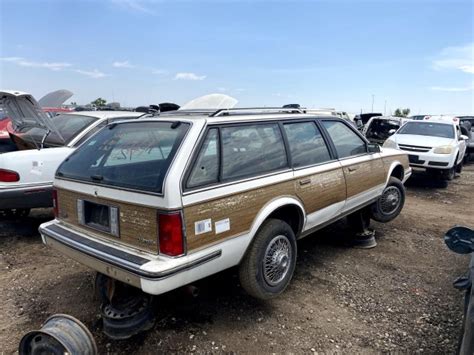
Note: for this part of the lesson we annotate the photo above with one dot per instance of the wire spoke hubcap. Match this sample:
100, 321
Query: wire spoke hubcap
390, 200
277, 259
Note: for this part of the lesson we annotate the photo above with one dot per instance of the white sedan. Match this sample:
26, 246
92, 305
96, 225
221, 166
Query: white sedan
436, 145
26, 175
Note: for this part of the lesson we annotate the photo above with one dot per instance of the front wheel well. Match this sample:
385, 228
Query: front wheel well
398, 172
290, 214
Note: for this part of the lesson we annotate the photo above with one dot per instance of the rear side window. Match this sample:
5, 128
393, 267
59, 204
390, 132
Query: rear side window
346, 141
133, 155
307, 146
251, 150
206, 169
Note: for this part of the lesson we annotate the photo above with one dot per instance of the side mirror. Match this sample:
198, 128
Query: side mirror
392, 131
460, 240
463, 137
373, 148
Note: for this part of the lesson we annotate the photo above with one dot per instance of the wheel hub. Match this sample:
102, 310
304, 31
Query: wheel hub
276, 262
390, 200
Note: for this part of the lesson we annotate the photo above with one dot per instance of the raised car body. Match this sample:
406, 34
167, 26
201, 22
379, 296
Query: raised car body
126, 231
35, 168
379, 128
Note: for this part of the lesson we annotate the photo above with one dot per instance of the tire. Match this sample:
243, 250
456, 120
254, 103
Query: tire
448, 174
390, 204
459, 167
275, 239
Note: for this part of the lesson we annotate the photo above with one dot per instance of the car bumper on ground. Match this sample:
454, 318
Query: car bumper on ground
154, 274
26, 197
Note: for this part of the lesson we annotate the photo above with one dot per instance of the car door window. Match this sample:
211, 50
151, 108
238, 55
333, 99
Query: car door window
249, 150
206, 169
307, 146
346, 141
90, 133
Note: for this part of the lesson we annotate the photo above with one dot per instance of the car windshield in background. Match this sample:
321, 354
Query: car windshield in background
68, 125
130, 155
428, 129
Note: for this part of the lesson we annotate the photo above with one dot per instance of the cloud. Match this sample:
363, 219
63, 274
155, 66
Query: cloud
55, 66
134, 5
456, 58
124, 64
452, 89
189, 76
95, 74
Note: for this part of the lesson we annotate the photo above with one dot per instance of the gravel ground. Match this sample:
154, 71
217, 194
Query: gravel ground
396, 297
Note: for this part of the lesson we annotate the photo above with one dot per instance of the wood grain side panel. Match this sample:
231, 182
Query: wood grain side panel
364, 176
325, 189
402, 158
138, 226
241, 209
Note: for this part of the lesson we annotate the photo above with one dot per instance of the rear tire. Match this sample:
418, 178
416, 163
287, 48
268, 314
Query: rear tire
268, 265
390, 204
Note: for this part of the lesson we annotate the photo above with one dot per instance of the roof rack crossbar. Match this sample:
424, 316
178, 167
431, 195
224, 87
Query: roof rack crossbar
256, 111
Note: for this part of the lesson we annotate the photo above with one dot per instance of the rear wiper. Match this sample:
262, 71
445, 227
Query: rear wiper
97, 177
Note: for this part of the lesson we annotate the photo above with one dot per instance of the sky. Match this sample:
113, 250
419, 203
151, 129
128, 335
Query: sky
342, 54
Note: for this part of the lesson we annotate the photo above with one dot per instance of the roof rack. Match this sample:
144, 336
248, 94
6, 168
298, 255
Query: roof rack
256, 111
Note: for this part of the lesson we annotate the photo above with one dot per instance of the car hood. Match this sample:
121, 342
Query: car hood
212, 101
423, 141
24, 111
55, 98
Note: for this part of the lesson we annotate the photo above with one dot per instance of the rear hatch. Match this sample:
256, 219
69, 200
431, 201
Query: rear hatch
112, 186
25, 113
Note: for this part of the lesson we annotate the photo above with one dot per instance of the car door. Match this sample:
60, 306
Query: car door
363, 171
319, 179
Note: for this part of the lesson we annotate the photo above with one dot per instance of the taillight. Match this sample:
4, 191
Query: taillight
55, 203
170, 234
9, 176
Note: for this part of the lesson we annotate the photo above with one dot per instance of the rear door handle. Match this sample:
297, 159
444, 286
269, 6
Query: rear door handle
305, 182
352, 168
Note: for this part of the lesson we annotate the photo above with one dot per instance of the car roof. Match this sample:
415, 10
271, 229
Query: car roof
104, 114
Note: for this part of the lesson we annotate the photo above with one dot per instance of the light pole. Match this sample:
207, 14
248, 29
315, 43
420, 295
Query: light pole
373, 98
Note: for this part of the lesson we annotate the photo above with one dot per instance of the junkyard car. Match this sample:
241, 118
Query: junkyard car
434, 145
467, 122
379, 128
26, 175
159, 203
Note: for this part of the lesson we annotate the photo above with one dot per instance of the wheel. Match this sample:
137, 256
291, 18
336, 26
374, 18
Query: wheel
448, 174
459, 167
389, 205
268, 265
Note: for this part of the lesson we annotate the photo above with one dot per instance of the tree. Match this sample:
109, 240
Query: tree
99, 102
401, 112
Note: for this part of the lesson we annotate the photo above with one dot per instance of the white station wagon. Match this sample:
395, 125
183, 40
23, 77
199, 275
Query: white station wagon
158, 203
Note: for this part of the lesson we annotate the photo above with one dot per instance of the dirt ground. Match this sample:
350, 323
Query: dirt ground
396, 297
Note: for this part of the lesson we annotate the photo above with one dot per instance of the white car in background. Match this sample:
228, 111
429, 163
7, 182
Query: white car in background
26, 175
436, 145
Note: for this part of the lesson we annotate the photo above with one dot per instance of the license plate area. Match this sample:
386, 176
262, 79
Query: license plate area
98, 216
415, 159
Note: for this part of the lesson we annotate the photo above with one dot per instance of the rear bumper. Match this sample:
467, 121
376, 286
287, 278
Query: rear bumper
26, 197
153, 274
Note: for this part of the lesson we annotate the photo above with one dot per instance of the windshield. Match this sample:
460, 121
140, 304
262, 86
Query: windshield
428, 129
133, 155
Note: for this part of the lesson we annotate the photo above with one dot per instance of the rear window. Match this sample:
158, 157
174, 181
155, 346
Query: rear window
428, 129
130, 155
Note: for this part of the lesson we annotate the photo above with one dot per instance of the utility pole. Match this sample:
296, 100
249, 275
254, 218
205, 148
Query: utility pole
385, 108
373, 98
